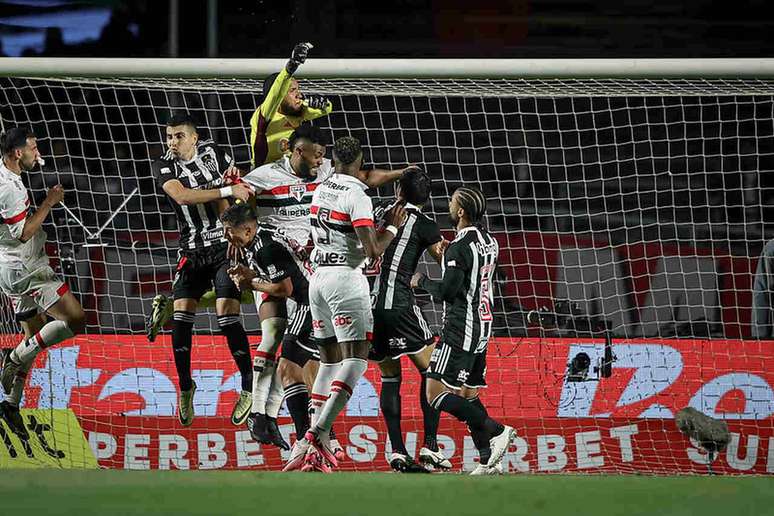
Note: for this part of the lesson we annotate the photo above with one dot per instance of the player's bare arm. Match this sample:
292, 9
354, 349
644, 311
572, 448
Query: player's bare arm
379, 177
32, 224
187, 196
375, 243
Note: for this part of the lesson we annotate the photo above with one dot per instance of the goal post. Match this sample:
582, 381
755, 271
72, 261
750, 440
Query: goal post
631, 199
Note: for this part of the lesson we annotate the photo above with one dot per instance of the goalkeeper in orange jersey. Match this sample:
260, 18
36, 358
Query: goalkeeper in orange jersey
283, 109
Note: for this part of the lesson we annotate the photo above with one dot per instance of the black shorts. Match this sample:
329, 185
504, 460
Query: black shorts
455, 367
398, 333
298, 344
198, 271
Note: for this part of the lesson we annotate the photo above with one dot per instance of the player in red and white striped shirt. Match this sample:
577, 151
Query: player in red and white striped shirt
344, 237
25, 275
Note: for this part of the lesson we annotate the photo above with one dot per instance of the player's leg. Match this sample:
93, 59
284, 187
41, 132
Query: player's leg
190, 282
54, 297
496, 443
449, 366
429, 454
272, 313
31, 322
348, 299
296, 353
227, 307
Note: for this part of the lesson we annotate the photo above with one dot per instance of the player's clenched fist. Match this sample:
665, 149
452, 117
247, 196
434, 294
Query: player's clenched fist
241, 191
416, 279
242, 276
298, 57
316, 101
55, 195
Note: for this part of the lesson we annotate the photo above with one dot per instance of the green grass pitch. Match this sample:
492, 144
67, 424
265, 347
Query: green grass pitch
107, 492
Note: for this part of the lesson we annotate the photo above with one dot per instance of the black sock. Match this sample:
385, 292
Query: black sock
389, 400
430, 416
297, 400
231, 327
481, 426
182, 328
480, 436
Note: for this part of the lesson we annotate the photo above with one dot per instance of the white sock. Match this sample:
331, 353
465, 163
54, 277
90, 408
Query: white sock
14, 397
350, 372
264, 363
51, 333
276, 395
321, 388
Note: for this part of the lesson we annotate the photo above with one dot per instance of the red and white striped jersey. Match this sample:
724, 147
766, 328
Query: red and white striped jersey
282, 198
339, 205
14, 203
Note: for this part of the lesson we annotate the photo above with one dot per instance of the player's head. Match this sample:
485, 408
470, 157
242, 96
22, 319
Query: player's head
414, 186
239, 224
467, 204
19, 145
182, 135
292, 104
348, 156
307, 148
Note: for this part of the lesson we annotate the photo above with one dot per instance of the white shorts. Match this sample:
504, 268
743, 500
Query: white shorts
31, 289
341, 305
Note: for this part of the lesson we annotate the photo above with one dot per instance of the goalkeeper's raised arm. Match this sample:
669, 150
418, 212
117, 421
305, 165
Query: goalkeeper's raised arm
283, 109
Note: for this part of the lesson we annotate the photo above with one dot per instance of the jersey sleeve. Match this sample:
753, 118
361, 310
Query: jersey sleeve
431, 233
13, 210
163, 171
325, 171
278, 261
457, 256
265, 112
360, 209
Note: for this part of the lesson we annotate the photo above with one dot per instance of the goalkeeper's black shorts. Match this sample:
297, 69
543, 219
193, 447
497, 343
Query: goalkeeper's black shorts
199, 270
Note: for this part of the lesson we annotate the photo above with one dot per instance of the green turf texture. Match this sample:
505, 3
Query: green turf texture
257, 493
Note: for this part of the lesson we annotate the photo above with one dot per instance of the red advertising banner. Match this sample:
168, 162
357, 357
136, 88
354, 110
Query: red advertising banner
123, 390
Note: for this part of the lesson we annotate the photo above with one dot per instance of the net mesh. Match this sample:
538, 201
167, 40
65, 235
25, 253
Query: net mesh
633, 207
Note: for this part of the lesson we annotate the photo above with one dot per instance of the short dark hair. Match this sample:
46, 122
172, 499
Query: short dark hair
472, 200
14, 138
237, 214
346, 150
268, 82
182, 118
306, 131
415, 185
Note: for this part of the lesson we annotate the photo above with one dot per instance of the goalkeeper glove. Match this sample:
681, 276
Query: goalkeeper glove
316, 101
300, 51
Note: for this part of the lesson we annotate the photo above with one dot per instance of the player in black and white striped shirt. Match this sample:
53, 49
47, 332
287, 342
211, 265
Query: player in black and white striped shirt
399, 326
191, 174
458, 364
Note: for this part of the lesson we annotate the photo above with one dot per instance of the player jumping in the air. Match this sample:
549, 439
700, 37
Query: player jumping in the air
283, 194
282, 110
273, 267
344, 236
191, 173
458, 363
399, 327
25, 275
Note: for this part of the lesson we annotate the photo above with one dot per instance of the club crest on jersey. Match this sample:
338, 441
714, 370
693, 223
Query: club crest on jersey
297, 191
209, 162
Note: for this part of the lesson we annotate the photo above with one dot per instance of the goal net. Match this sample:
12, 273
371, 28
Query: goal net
630, 214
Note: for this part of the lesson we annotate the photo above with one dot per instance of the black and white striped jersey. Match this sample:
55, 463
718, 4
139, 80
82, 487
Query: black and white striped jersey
391, 288
468, 319
199, 223
272, 256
